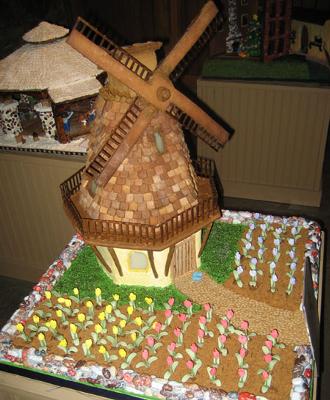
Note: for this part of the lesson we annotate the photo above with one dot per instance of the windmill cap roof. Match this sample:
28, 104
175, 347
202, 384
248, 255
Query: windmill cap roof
45, 32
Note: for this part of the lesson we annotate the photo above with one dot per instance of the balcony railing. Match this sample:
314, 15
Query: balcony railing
157, 237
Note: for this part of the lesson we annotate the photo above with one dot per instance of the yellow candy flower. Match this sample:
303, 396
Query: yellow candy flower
76, 291
148, 300
53, 324
102, 349
122, 353
255, 17
122, 323
61, 300
133, 336
132, 297
89, 304
59, 313
115, 297
101, 316
48, 295
81, 317
41, 337
20, 327
73, 328
98, 328
98, 292
63, 343
47, 324
36, 319
115, 330
88, 343
108, 309
130, 310
138, 321
67, 303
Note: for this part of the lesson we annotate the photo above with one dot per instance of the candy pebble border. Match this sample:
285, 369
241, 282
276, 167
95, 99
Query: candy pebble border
128, 380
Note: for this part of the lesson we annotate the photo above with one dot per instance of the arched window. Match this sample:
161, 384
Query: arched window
138, 261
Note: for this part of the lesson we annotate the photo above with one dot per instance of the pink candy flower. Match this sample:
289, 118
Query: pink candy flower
157, 326
241, 372
190, 364
213, 371
215, 353
177, 332
268, 358
265, 375
200, 333
182, 317
230, 314
242, 339
242, 352
269, 344
207, 307
171, 301
168, 313
223, 338
187, 303
245, 325
202, 320
169, 360
193, 347
274, 333
145, 354
150, 341
224, 323
172, 346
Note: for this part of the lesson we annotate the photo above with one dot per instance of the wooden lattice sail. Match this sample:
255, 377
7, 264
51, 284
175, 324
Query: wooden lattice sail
140, 201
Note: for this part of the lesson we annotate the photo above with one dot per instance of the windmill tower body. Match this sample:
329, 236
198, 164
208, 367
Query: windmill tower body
140, 203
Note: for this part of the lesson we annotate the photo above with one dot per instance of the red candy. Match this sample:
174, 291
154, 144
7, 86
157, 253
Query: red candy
246, 396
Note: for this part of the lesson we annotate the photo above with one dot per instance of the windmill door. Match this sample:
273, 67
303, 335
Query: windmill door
185, 257
277, 28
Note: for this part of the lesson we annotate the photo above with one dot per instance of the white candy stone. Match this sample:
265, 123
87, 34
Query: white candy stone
298, 381
113, 371
296, 396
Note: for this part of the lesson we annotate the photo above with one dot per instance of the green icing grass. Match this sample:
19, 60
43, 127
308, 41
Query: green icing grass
251, 69
219, 253
86, 274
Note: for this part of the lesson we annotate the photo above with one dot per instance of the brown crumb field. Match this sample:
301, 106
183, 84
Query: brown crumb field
263, 309
227, 371
262, 292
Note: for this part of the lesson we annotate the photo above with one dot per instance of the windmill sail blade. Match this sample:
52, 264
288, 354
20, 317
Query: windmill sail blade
83, 28
120, 142
209, 32
190, 37
193, 127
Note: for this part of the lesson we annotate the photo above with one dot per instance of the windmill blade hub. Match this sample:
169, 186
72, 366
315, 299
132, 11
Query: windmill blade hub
163, 93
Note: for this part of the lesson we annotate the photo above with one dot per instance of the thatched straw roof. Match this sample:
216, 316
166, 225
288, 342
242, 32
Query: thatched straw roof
45, 32
54, 66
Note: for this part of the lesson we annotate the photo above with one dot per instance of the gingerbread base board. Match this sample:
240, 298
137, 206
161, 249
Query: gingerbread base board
55, 273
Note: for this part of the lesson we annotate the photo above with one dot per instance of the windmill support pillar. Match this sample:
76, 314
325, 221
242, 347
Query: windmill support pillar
137, 267
10, 122
46, 116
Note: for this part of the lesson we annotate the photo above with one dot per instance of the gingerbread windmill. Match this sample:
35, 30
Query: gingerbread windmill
140, 202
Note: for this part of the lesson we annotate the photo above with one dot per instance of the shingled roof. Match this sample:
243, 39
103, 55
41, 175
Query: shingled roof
47, 62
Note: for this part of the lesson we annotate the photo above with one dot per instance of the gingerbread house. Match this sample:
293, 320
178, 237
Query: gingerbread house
141, 202
44, 83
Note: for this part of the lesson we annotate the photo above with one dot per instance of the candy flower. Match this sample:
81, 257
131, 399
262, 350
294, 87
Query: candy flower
122, 353
98, 296
81, 317
48, 294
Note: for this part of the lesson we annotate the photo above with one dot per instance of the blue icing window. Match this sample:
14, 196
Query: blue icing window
159, 142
